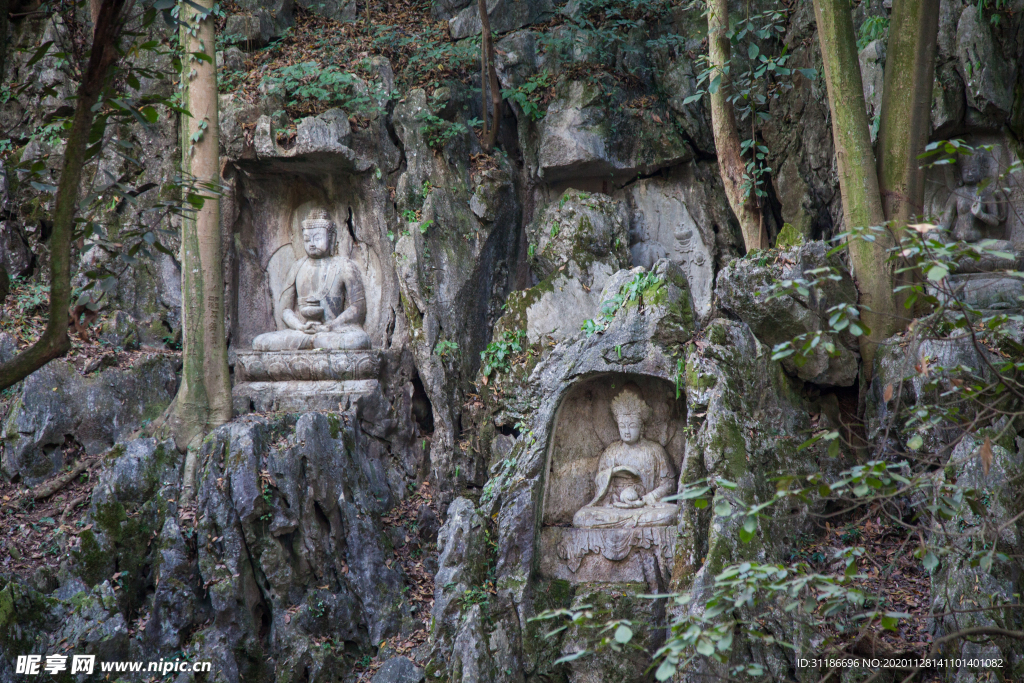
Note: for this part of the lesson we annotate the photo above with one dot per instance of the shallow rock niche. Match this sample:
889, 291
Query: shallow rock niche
589, 533
313, 303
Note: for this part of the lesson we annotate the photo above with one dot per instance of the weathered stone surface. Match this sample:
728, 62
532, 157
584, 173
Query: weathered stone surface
896, 366
954, 581
455, 270
580, 227
57, 404
574, 297
339, 10
504, 15
16, 256
575, 138
744, 290
462, 544
679, 81
319, 364
286, 536
321, 135
988, 76
947, 100
261, 21
872, 69
617, 600
398, 670
661, 226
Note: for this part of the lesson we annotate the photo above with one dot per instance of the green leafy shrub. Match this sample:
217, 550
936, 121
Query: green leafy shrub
873, 28
437, 131
446, 348
642, 286
311, 83
533, 95
497, 357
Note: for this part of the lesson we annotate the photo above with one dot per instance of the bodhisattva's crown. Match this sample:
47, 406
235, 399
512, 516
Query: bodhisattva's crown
630, 402
318, 218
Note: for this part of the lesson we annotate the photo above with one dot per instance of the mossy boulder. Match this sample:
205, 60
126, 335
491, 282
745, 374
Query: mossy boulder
580, 227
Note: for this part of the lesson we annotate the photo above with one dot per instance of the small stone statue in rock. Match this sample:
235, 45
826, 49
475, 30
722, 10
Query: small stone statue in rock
633, 475
323, 303
973, 212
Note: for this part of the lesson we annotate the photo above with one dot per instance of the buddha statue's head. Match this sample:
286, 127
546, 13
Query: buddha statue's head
630, 411
318, 233
974, 167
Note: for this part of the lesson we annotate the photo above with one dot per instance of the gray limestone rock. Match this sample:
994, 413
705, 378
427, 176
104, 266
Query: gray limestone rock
16, 256
339, 10
580, 227
504, 15
744, 289
565, 301
581, 135
678, 80
955, 581
988, 76
662, 226
462, 543
260, 22
57, 404
120, 332
872, 69
896, 366
398, 670
947, 99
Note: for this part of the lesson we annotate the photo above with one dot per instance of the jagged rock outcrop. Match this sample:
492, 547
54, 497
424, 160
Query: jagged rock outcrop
745, 289
58, 408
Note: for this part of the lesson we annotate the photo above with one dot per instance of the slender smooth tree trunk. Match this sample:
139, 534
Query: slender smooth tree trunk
204, 396
906, 107
858, 177
489, 73
54, 341
727, 137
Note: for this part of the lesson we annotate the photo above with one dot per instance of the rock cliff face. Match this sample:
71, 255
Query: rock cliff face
416, 531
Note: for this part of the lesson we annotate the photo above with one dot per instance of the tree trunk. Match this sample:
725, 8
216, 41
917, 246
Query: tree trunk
858, 178
4, 9
488, 73
906, 107
204, 396
54, 341
727, 137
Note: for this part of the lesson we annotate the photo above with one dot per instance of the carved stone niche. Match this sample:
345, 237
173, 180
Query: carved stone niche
615, 453
313, 351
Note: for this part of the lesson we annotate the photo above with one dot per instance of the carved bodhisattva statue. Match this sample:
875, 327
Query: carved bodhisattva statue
975, 211
633, 475
322, 304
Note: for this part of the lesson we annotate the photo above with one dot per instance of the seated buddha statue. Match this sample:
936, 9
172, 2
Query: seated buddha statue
322, 304
633, 475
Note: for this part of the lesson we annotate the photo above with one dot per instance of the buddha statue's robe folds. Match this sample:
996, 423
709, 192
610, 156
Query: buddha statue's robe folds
631, 481
323, 306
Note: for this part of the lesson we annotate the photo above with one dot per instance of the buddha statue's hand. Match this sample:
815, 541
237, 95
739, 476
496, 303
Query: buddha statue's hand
311, 327
628, 504
651, 499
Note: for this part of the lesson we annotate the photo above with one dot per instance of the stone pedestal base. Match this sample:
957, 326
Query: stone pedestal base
298, 397
297, 381
606, 555
317, 364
